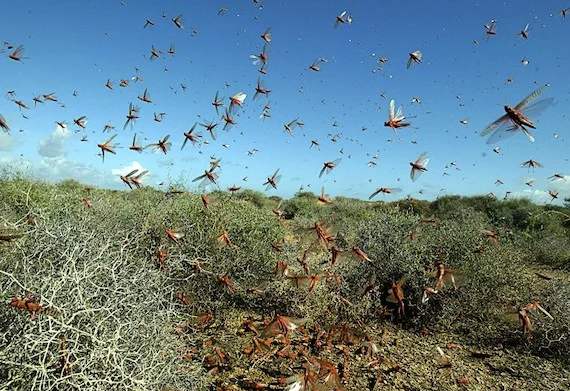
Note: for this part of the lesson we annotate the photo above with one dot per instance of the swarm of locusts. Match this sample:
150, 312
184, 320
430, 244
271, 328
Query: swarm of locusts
228, 110
315, 262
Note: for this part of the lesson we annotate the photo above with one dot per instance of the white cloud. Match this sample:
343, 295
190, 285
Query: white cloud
55, 169
539, 193
54, 146
59, 168
14, 164
126, 169
7, 142
535, 195
540, 197
561, 185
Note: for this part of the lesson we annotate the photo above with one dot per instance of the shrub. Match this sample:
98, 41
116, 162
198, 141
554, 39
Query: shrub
108, 310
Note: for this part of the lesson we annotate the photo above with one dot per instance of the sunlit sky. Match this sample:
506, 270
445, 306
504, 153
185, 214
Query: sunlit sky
71, 48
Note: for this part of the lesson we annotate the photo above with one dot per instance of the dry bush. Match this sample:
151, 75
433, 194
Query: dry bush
198, 258
108, 311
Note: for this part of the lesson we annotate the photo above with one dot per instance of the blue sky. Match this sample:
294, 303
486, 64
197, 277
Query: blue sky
76, 46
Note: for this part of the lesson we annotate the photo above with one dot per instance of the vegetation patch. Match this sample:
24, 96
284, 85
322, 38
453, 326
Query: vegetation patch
170, 291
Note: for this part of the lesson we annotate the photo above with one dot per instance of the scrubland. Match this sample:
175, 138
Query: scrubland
151, 290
